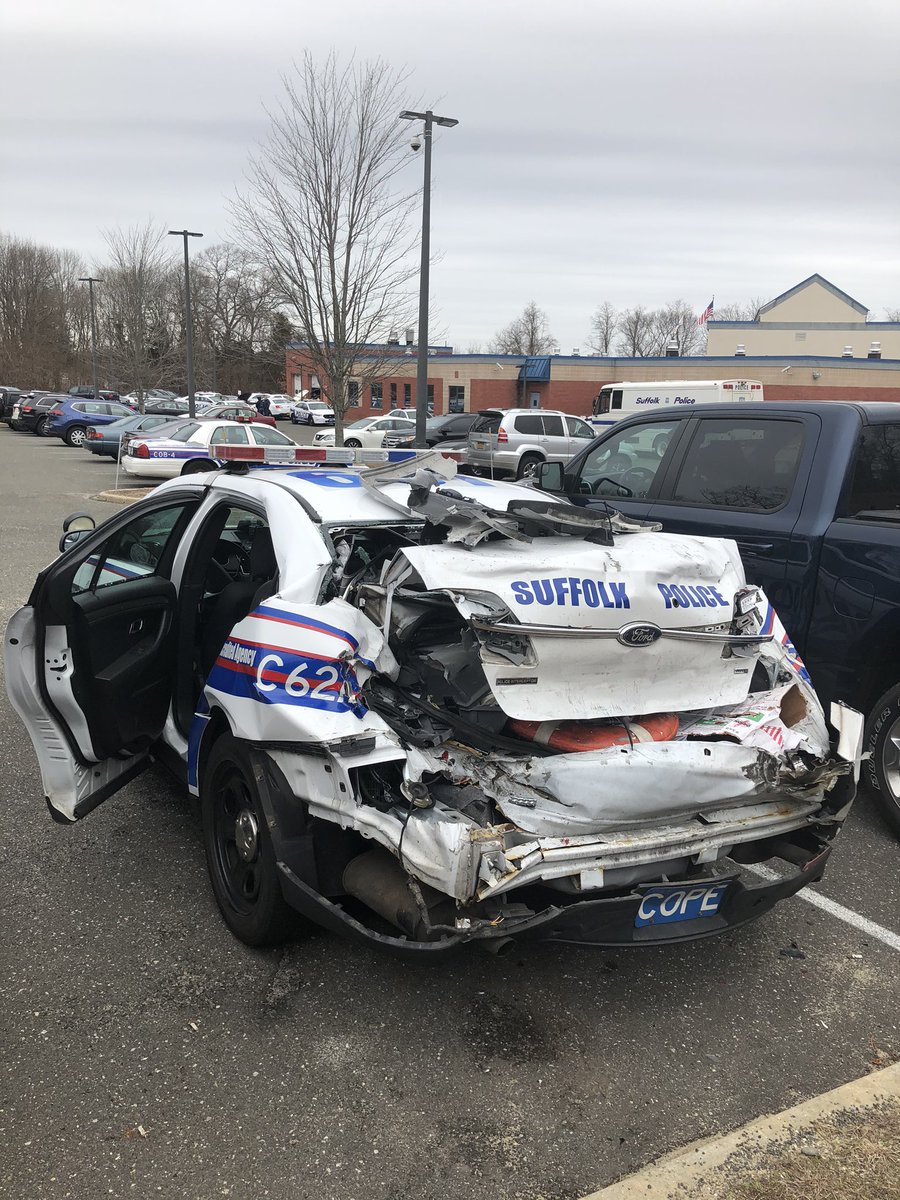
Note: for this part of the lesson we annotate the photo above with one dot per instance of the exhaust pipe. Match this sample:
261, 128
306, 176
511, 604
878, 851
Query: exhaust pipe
378, 880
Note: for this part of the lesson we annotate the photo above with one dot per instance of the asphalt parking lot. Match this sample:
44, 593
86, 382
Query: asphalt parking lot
146, 1053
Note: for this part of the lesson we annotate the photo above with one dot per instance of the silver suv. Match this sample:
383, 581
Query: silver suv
516, 440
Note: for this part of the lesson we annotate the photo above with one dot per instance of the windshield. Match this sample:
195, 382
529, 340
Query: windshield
316, 404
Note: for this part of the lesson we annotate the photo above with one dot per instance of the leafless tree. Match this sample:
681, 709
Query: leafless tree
635, 333
529, 333
745, 310
604, 327
676, 324
892, 314
34, 339
234, 309
322, 211
140, 314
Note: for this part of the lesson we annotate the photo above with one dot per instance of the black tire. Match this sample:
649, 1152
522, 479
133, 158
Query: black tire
239, 854
75, 435
42, 426
882, 769
197, 466
527, 465
352, 444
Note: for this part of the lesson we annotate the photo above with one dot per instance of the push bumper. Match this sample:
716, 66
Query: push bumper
605, 921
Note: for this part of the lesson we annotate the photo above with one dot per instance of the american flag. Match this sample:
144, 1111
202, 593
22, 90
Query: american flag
707, 313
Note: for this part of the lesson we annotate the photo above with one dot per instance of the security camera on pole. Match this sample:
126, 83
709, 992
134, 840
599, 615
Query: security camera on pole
428, 119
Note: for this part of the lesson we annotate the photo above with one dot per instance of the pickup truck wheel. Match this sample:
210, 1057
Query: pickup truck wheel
239, 854
882, 768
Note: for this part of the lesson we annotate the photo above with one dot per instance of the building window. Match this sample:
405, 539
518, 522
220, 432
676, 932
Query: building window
457, 399
352, 393
298, 383
800, 337
431, 399
375, 401
393, 395
315, 391
407, 393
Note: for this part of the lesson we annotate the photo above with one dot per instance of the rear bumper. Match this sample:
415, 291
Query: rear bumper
502, 460
609, 921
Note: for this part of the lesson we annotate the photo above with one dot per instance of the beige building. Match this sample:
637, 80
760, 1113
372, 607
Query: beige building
813, 318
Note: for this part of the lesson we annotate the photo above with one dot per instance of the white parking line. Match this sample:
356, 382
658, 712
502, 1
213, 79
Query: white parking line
863, 924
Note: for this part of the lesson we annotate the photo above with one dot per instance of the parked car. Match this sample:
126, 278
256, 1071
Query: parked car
449, 431
192, 447
810, 491
69, 419
151, 396
235, 412
514, 441
280, 405
369, 432
33, 413
311, 412
86, 392
421, 743
8, 398
104, 440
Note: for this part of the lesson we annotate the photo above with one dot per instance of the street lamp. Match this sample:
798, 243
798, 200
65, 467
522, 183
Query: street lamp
90, 280
188, 324
428, 119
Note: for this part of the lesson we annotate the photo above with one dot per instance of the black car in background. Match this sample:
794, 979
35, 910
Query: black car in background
444, 430
8, 397
33, 412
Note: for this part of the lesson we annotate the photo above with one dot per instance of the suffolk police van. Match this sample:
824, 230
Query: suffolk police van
616, 401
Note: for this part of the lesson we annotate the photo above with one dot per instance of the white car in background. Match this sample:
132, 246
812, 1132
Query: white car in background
192, 447
280, 405
369, 432
311, 412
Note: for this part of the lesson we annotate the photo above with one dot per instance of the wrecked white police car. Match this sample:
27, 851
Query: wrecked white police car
425, 710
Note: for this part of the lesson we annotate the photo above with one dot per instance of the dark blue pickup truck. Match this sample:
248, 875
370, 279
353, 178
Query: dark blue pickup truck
811, 494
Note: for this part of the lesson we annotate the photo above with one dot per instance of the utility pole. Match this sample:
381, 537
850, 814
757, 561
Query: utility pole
429, 119
188, 321
90, 280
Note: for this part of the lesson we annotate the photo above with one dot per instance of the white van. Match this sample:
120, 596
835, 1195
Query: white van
618, 400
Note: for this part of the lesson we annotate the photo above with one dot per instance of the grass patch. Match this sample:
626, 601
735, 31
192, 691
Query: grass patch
850, 1156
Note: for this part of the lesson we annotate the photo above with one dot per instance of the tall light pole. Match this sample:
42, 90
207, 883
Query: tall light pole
188, 322
428, 119
90, 280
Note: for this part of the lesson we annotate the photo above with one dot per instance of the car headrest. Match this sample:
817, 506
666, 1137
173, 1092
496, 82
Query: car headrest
263, 564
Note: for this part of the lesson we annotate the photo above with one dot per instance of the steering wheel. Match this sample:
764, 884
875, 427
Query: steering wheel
638, 479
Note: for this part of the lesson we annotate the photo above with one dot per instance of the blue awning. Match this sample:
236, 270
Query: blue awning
536, 368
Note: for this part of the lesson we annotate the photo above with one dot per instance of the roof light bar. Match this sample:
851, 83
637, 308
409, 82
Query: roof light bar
325, 455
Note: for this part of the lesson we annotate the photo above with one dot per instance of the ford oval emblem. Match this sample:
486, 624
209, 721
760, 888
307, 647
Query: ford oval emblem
639, 634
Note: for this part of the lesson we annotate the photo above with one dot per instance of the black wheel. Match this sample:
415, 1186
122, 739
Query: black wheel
352, 444
239, 853
196, 466
309, 420
882, 768
42, 426
75, 435
527, 466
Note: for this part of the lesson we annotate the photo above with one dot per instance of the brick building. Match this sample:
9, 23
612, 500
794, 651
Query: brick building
466, 382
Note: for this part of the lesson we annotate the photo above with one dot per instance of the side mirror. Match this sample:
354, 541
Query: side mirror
549, 476
79, 522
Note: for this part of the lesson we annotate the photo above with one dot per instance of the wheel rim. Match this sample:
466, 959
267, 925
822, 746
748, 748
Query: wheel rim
236, 839
890, 760
528, 468
76, 437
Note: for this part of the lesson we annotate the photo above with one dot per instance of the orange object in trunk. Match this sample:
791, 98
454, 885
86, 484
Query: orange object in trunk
595, 735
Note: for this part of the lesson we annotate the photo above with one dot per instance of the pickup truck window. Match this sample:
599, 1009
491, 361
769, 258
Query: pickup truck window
743, 463
876, 473
631, 457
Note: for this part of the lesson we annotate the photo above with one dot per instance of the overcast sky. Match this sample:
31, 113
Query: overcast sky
636, 151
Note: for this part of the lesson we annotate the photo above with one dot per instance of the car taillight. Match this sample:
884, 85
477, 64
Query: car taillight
502, 436
139, 451
26, 408
57, 408
93, 433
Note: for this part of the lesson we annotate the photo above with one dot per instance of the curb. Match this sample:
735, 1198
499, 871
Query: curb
682, 1170
123, 497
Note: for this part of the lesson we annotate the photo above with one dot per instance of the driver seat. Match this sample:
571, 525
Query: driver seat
238, 599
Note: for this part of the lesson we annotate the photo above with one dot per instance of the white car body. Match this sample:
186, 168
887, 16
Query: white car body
164, 458
396, 683
370, 432
279, 404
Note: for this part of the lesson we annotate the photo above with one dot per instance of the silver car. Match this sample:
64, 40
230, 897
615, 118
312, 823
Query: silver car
515, 440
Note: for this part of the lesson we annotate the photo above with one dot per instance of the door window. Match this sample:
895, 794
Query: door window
553, 426
747, 464
263, 435
133, 552
229, 435
876, 475
630, 458
580, 429
532, 425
